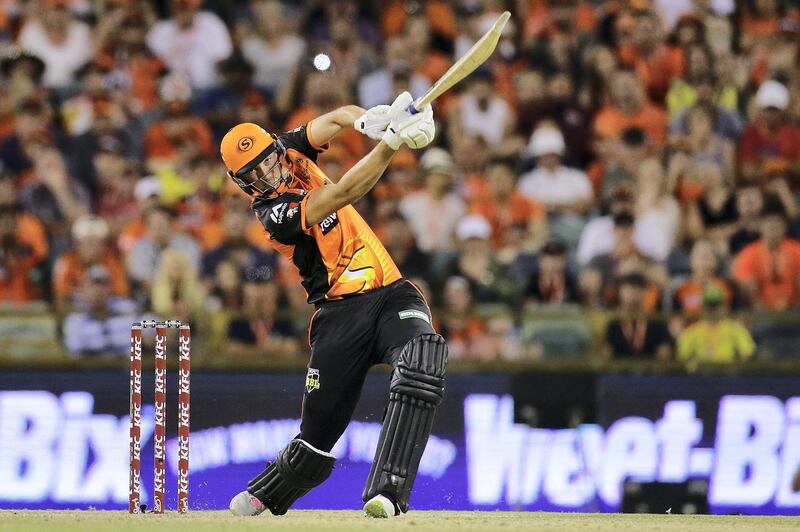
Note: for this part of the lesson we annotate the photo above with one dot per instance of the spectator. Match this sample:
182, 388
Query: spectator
22, 73
704, 273
259, 325
713, 215
571, 117
597, 280
191, 42
353, 57
395, 76
53, 195
551, 283
90, 236
769, 269
433, 211
634, 335
557, 187
597, 237
705, 92
103, 328
517, 222
399, 242
621, 165
716, 337
61, 42
177, 136
657, 212
702, 144
749, 206
480, 111
628, 107
654, 60
23, 249
488, 279
459, 324
160, 234
233, 246
147, 193
770, 143
177, 292
274, 49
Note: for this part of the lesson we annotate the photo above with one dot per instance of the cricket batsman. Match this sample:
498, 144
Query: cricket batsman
366, 313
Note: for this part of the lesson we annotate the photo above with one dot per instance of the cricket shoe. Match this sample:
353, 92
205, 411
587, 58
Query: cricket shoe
381, 507
245, 504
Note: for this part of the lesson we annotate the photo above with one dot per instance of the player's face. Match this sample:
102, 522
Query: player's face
267, 176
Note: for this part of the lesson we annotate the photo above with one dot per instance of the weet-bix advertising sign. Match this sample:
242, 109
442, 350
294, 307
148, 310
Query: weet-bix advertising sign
64, 442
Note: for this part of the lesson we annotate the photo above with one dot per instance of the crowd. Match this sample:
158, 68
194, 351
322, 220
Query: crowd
632, 156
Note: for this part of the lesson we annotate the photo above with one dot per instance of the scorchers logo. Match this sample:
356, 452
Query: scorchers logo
245, 143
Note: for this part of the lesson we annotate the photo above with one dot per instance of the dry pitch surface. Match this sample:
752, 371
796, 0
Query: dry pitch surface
317, 521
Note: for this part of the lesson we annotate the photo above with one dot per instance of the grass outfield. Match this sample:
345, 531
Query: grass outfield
90, 521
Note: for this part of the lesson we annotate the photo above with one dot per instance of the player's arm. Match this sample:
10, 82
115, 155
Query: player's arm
416, 131
323, 128
351, 187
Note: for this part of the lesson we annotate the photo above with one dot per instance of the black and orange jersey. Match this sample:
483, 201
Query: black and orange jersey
338, 257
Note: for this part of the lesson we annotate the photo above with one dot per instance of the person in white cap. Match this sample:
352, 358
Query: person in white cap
488, 279
770, 145
433, 211
558, 187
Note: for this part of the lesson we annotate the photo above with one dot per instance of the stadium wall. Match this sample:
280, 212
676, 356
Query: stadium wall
529, 441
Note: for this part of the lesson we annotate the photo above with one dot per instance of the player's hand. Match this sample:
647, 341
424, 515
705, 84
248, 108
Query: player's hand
374, 122
415, 131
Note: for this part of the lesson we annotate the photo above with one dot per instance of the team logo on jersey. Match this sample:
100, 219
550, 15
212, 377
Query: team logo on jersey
312, 380
277, 213
245, 143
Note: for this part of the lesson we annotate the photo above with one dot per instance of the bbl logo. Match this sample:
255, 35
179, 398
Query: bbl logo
312, 380
245, 143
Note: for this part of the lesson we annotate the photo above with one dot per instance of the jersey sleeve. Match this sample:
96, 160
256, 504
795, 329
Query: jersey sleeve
281, 218
300, 140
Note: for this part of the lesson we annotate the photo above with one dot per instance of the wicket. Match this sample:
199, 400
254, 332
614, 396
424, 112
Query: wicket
160, 400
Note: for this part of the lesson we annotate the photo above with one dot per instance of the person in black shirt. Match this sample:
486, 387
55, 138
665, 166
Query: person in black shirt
551, 283
634, 335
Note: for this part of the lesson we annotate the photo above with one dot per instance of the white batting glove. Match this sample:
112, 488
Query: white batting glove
419, 130
374, 122
415, 131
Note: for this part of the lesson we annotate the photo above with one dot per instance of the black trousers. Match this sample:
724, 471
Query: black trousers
347, 338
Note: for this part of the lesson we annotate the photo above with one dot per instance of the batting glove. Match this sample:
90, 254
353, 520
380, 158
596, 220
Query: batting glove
415, 131
374, 122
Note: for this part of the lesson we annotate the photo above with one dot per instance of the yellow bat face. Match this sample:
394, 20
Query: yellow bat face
467, 64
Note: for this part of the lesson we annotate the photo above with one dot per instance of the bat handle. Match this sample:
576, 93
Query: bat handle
411, 109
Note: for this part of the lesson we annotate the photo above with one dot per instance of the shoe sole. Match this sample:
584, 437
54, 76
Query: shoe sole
375, 509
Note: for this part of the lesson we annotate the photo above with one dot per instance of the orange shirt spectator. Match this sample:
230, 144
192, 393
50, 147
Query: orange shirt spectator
69, 270
29, 248
775, 272
89, 234
439, 15
657, 69
518, 213
689, 296
507, 210
164, 139
611, 122
769, 269
629, 108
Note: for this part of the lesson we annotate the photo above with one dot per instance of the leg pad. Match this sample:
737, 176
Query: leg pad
417, 387
298, 468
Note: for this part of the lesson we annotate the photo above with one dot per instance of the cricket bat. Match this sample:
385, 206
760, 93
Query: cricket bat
467, 64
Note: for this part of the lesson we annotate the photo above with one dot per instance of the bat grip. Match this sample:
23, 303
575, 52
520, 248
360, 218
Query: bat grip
411, 109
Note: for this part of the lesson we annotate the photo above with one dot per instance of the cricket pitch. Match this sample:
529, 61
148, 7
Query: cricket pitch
444, 521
